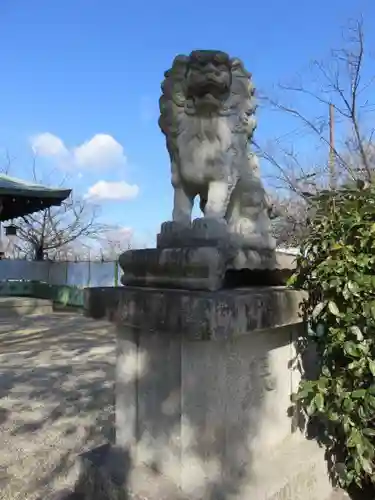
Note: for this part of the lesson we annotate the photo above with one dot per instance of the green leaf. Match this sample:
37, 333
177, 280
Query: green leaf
333, 309
357, 332
326, 371
322, 383
351, 349
371, 365
366, 465
318, 309
333, 416
347, 405
359, 393
305, 389
319, 401
347, 424
369, 432
297, 396
357, 467
311, 409
354, 438
353, 287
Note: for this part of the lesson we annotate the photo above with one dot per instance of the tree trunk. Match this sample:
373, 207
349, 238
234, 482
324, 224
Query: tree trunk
39, 253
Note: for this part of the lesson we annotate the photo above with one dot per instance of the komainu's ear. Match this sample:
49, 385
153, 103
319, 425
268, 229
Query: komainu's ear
238, 67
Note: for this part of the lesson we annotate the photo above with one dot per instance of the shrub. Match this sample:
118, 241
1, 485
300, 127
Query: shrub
337, 269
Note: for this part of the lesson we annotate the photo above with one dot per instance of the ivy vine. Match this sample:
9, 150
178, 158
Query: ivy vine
337, 269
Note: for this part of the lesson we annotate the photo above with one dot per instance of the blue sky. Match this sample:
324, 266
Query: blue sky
90, 70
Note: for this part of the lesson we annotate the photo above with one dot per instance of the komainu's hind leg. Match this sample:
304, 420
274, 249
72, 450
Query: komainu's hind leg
219, 193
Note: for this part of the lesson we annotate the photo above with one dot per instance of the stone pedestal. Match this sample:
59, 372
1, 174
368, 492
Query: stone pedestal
205, 256
203, 393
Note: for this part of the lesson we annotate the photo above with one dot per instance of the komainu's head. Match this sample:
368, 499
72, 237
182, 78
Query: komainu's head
205, 83
208, 79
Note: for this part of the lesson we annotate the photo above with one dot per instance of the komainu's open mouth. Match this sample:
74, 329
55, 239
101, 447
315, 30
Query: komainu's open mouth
201, 87
209, 88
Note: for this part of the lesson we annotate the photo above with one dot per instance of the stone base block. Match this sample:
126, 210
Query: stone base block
213, 233
201, 232
191, 268
203, 390
195, 315
204, 268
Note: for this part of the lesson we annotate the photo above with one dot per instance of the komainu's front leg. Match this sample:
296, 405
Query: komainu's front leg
182, 207
218, 199
183, 202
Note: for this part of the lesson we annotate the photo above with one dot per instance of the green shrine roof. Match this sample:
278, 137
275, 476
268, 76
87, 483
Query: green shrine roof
22, 198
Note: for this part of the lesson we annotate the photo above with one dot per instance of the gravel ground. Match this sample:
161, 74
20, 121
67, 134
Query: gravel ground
56, 400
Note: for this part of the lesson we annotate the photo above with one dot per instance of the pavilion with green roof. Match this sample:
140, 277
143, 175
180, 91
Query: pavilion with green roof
19, 198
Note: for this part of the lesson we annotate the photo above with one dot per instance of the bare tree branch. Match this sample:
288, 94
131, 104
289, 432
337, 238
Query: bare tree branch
340, 82
49, 231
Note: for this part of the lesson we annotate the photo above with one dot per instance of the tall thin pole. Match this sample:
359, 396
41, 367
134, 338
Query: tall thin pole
331, 160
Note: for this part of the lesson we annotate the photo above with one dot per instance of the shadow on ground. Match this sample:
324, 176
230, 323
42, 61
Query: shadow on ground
56, 399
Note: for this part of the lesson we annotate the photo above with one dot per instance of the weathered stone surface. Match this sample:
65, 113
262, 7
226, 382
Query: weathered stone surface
207, 113
190, 268
203, 393
213, 416
196, 315
201, 233
204, 268
204, 232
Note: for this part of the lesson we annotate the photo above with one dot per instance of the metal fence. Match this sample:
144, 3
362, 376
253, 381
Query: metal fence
76, 274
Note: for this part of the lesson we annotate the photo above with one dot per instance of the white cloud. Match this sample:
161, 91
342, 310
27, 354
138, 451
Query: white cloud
104, 190
100, 152
48, 145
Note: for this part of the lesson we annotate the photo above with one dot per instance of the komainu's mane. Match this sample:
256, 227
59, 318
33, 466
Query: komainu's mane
174, 103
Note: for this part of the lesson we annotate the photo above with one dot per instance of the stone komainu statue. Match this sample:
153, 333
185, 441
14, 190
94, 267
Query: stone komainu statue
207, 112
